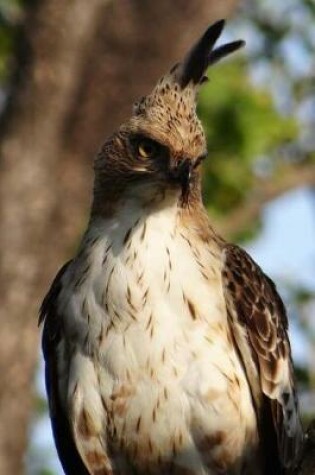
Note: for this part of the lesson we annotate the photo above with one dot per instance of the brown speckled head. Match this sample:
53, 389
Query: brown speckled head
163, 142
168, 113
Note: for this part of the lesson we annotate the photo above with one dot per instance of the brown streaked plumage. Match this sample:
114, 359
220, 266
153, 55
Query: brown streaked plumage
166, 348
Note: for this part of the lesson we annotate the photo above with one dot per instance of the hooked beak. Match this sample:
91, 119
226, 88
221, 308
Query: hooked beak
183, 173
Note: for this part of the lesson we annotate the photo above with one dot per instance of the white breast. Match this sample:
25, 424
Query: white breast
149, 326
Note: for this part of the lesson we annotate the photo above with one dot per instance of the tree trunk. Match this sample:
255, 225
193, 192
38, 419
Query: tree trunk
81, 64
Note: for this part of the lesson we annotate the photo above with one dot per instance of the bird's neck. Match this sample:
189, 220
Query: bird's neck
111, 195
121, 216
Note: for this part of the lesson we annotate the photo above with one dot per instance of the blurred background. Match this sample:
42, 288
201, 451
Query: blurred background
69, 73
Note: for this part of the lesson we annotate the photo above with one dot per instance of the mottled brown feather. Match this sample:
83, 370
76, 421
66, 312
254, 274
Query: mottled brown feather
259, 322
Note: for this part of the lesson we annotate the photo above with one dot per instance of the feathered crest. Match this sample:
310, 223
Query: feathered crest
170, 108
191, 71
203, 55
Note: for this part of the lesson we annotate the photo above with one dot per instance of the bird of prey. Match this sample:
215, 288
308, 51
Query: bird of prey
166, 348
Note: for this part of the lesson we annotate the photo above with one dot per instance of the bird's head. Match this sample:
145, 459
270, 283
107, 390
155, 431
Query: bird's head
160, 148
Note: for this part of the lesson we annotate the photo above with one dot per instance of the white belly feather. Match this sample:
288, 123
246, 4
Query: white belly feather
151, 336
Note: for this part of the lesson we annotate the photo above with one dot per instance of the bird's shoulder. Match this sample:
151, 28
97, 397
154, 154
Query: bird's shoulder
48, 313
254, 292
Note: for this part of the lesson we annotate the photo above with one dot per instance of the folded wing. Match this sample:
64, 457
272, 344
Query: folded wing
259, 324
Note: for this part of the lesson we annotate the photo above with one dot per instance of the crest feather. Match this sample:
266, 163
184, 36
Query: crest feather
203, 55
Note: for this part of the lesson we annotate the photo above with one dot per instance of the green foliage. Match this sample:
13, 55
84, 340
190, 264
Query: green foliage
248, 233
242, 124
302, 375
40, 405
10, 19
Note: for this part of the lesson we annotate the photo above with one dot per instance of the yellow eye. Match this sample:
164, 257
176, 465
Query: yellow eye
147, 149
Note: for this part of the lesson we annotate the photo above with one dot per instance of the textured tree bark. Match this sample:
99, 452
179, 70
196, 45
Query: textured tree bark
80, 66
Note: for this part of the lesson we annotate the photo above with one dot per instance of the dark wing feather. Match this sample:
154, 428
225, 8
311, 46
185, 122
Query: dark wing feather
52, 335
259, 324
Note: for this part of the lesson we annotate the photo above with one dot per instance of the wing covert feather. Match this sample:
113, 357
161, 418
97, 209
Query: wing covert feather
260, 325
51, 339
